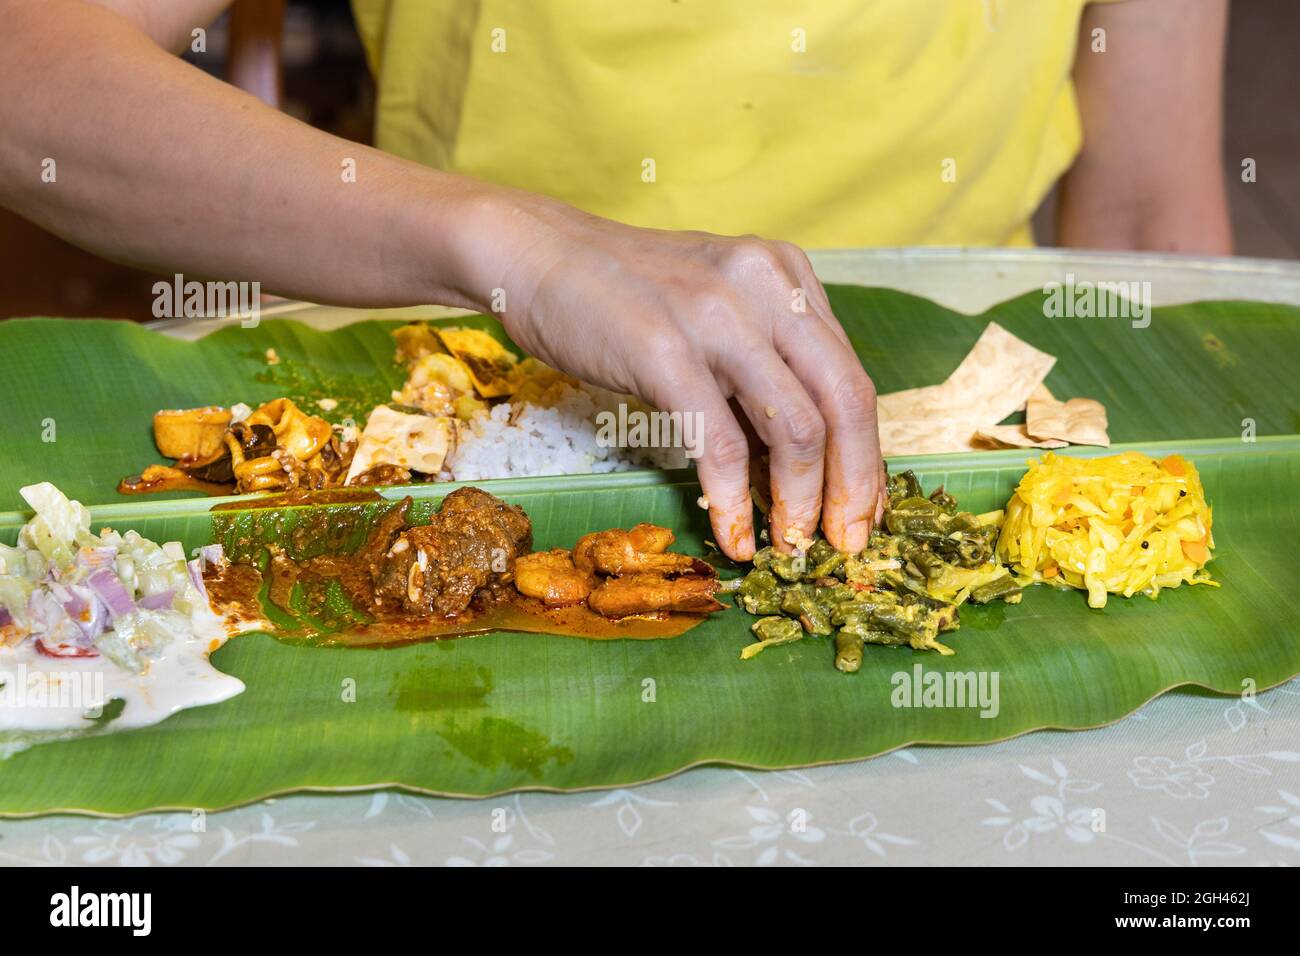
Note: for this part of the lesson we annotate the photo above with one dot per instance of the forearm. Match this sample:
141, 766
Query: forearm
161, 166
1092, 214
1149, 175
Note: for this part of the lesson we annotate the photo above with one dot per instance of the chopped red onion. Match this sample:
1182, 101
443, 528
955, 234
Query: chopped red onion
75, 604
195, 568
162, 599
91, 616
57, 633
112, 592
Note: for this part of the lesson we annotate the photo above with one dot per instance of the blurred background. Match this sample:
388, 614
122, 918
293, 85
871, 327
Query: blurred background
306, 55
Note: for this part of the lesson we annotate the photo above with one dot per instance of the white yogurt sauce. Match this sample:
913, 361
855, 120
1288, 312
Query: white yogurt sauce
48, 698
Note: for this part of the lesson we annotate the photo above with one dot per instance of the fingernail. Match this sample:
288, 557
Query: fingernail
735, 537
856, 536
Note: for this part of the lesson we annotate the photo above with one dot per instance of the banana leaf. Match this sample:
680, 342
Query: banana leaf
482, 715
77, 396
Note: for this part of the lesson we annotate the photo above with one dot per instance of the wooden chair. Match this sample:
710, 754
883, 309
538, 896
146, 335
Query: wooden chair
255, 60
41, 274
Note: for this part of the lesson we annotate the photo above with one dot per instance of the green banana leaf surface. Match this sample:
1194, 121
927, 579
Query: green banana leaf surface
482, 715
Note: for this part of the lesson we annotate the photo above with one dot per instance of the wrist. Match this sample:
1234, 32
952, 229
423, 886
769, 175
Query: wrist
502, 243
468, 235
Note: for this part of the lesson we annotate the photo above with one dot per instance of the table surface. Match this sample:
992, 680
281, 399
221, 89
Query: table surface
1192, 779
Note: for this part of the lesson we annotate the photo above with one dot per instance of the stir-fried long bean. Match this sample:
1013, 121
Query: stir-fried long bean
848, 651
903, 589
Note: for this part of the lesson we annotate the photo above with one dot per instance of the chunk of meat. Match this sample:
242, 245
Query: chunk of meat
467, 549
628, 552
550, 576
645, 593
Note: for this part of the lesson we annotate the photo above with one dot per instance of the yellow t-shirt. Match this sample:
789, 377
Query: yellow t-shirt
830, 123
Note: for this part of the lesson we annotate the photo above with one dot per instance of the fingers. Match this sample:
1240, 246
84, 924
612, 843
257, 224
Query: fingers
788, 421
724, 475
796, 261
846, 399
819, 353
723, 462
756, 326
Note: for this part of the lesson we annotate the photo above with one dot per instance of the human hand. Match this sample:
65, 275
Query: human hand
689, 322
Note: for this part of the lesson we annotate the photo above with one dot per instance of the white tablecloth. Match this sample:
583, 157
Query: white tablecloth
1190, 780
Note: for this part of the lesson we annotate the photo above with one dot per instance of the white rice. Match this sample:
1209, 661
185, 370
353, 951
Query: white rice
556, 440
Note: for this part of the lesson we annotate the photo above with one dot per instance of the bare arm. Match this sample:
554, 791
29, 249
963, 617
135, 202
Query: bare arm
1150, 172
170, 25
162, 166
